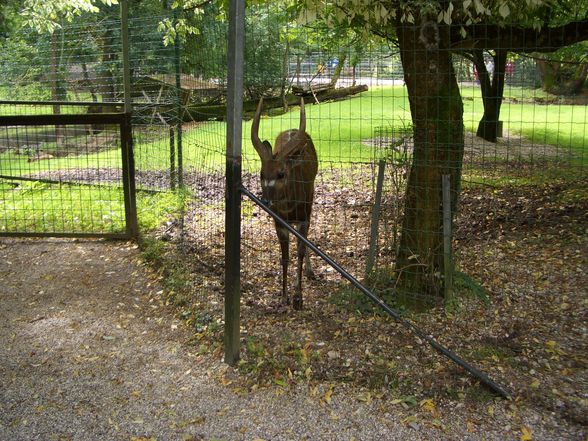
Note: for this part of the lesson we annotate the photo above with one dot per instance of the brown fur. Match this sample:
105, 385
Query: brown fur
287, 181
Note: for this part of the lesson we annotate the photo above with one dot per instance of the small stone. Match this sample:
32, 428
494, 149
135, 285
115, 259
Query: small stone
333, 355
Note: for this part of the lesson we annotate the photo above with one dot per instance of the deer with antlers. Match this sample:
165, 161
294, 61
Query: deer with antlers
287, 182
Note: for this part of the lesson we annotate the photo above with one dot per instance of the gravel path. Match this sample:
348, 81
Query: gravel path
89, 351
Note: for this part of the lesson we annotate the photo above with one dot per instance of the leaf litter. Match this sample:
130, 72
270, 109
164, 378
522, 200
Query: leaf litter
526, 247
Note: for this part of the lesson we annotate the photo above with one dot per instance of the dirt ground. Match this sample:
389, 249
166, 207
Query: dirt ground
97, 344
91, 350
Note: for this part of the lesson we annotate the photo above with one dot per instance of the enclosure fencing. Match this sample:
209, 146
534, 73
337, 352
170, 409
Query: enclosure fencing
358, 114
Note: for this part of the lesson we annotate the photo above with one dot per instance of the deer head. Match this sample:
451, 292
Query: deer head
283, 169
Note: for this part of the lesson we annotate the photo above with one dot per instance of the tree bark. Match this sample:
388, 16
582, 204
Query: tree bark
437, 117
58, 92
284, 85
340, 64
575, 85
552, 78
106, 80
549, 72
218, 112
518, 39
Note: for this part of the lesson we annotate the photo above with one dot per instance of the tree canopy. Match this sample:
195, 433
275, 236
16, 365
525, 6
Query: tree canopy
45, 16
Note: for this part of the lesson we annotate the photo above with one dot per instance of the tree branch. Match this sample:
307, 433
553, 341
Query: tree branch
518, 39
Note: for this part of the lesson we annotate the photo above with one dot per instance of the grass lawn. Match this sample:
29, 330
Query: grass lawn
338, 129
341, 131
50, 208
561, 125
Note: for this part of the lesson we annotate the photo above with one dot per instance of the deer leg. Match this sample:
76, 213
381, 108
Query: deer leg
308, 272
302, 258
284, 239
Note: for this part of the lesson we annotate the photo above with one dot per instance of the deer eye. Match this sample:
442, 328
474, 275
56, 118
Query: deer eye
281, 175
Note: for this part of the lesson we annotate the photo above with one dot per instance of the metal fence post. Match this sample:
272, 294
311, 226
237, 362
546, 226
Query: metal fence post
172, 158
179, 110
233, 181
127, 130
128, 177
373, 248
447, 255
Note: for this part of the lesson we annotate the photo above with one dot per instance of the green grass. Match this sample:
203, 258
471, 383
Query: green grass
41, 208
338, 129
36, 109
18, 165
564, 126
44, 208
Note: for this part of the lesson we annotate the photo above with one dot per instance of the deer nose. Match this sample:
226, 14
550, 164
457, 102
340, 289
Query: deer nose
268, 193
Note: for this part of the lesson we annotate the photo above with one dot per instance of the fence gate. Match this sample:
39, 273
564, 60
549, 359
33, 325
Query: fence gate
69, 174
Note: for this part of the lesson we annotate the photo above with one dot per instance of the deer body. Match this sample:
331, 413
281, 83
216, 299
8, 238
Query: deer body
287, 182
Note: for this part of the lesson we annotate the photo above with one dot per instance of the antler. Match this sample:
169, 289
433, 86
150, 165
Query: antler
300, 139
263, 148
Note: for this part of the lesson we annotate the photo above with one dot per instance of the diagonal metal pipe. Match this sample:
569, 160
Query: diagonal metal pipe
484, 379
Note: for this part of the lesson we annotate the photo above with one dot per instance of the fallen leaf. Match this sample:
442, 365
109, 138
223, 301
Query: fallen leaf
328, 394
280, 382
527, 434
365, 397
428, 405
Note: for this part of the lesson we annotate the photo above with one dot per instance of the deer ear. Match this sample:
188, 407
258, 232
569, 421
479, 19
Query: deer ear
265, 151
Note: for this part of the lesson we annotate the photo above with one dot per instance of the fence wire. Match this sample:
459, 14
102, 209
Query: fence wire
358, 114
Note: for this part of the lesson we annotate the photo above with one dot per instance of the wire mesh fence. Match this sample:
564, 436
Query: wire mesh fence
358, 113
395, 124
64, 174
355, 127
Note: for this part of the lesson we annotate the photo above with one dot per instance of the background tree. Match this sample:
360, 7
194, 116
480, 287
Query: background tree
564, 72
428, 32
514, 21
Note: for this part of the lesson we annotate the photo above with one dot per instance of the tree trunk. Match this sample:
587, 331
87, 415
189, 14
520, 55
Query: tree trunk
340, 64
219, 112
57, 90
554, 80
549, 72
89, 83
492, 93
576, 85
437, 117
284, 85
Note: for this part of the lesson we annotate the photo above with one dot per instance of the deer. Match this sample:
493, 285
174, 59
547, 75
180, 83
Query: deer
287, 179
